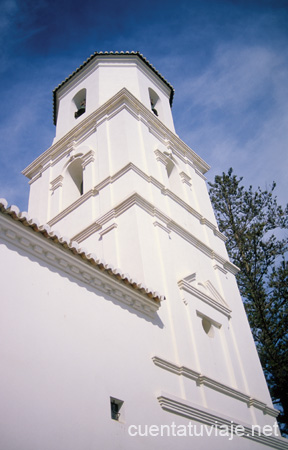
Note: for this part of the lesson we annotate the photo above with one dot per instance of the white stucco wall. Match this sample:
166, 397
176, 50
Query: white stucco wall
104, 77
67, 347
145, 209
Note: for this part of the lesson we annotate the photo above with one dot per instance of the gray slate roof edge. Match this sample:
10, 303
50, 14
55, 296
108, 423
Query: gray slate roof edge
94, 55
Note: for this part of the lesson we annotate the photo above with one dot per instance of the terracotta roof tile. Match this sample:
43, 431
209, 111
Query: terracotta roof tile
45, 230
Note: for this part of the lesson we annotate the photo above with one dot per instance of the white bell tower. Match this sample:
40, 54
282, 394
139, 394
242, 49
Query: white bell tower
119, 182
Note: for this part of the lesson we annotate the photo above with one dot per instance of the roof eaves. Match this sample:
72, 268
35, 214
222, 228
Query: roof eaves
45, 230
93, 56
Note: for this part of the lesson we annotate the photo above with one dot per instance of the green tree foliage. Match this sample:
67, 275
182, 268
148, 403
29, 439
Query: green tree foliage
256, 228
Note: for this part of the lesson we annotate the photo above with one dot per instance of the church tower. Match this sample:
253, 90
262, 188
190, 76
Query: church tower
119, 183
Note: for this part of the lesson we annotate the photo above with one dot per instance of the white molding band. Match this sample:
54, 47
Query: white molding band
158, 224
216, 304
185, 178
208, 417
201, 379
217, 267
123, 98
82, 199
137, 200
213, 322
149, 179
108, 229
58, 182
87, 158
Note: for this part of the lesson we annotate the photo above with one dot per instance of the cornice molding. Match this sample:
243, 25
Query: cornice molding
217, 267
149, 179
37, 176
203, 380
212, 321
138, 200
87, 158
108, 229
162, 227
104, 112
185, 178
161, 157
70, 258
56, 183
91, 193
217, 302
211, 418
99, 58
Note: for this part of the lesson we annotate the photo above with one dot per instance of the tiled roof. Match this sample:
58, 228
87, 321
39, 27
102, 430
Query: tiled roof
123, 54
23, 218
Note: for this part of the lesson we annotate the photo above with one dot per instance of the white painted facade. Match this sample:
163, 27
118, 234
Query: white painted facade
120, 184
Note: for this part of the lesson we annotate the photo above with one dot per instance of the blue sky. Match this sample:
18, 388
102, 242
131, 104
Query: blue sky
227, 60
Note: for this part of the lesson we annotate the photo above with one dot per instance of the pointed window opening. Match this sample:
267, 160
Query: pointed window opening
79, 101
170, 167
76, 173
154, 101
73, 183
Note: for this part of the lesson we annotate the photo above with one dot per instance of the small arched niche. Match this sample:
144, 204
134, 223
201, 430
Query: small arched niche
79, 103
170, 167
73, 182
172, 170
208, 327
155, 102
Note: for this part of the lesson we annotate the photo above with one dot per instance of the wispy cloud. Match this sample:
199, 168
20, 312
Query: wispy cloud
227, 62
235, 77
234, 113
